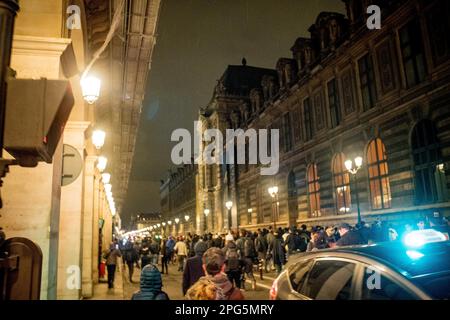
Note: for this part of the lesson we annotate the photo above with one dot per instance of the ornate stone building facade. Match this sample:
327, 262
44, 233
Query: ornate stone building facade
347, 91
178, 200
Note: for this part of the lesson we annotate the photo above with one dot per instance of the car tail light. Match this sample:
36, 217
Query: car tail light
274, 290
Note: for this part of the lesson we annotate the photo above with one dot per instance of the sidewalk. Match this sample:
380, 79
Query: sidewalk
101, 291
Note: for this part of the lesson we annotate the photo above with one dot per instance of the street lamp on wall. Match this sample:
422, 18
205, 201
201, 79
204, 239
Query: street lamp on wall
108, 188
106, 178
98, 139
353, 167
90, 87
206, 212
101, 163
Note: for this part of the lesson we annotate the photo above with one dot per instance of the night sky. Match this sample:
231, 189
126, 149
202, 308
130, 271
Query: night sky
196, 41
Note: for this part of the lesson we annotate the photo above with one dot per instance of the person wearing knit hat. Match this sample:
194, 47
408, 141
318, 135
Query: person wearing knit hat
151, 285
193, 269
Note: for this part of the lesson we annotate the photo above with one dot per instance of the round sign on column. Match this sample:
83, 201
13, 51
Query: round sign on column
72, 165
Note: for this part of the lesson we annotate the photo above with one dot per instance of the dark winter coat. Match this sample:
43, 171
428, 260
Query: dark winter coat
351, 238
278, 252
192, 272
151, 285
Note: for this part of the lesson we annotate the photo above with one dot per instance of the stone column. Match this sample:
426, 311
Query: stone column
107, 228
87, 235
95, 226
70, 227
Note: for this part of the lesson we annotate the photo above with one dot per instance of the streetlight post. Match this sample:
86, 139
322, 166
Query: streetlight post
229, 205
353, 167
273, 191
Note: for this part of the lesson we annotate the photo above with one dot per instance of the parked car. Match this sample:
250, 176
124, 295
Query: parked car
418, 268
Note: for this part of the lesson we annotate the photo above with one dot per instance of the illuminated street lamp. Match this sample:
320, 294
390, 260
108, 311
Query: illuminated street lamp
229, 205
163, 224
101, 163
177, 220
159, 225
353, 167
186, 217
108, 187
98, 138
206, 212
273, 191
169, 222
106, 178
90, 87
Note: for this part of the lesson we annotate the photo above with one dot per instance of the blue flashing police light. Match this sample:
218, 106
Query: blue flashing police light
419, 238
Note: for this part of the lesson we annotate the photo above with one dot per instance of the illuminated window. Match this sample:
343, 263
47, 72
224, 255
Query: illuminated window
313, 190
341, 184
380, 192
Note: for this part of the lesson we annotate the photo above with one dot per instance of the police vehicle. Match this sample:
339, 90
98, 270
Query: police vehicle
415, 268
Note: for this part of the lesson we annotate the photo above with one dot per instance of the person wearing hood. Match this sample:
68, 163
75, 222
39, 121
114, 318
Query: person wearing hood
151, 285
214, 266
193, 269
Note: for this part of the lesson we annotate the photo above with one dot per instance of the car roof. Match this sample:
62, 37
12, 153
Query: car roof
432, 258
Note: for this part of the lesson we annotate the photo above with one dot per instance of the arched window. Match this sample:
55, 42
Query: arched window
341, 184
380, 191
430, 180
313, 190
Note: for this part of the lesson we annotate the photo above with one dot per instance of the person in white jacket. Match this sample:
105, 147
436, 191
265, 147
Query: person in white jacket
181, 251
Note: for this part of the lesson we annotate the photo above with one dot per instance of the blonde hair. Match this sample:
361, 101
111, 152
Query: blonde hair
204, 289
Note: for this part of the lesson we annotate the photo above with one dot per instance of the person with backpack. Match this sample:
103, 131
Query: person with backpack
247, 253
151, 285
261, 250
233, 264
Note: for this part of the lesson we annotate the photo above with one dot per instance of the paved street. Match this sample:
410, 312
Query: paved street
172, 285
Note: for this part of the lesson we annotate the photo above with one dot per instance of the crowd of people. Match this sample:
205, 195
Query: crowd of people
216, 267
